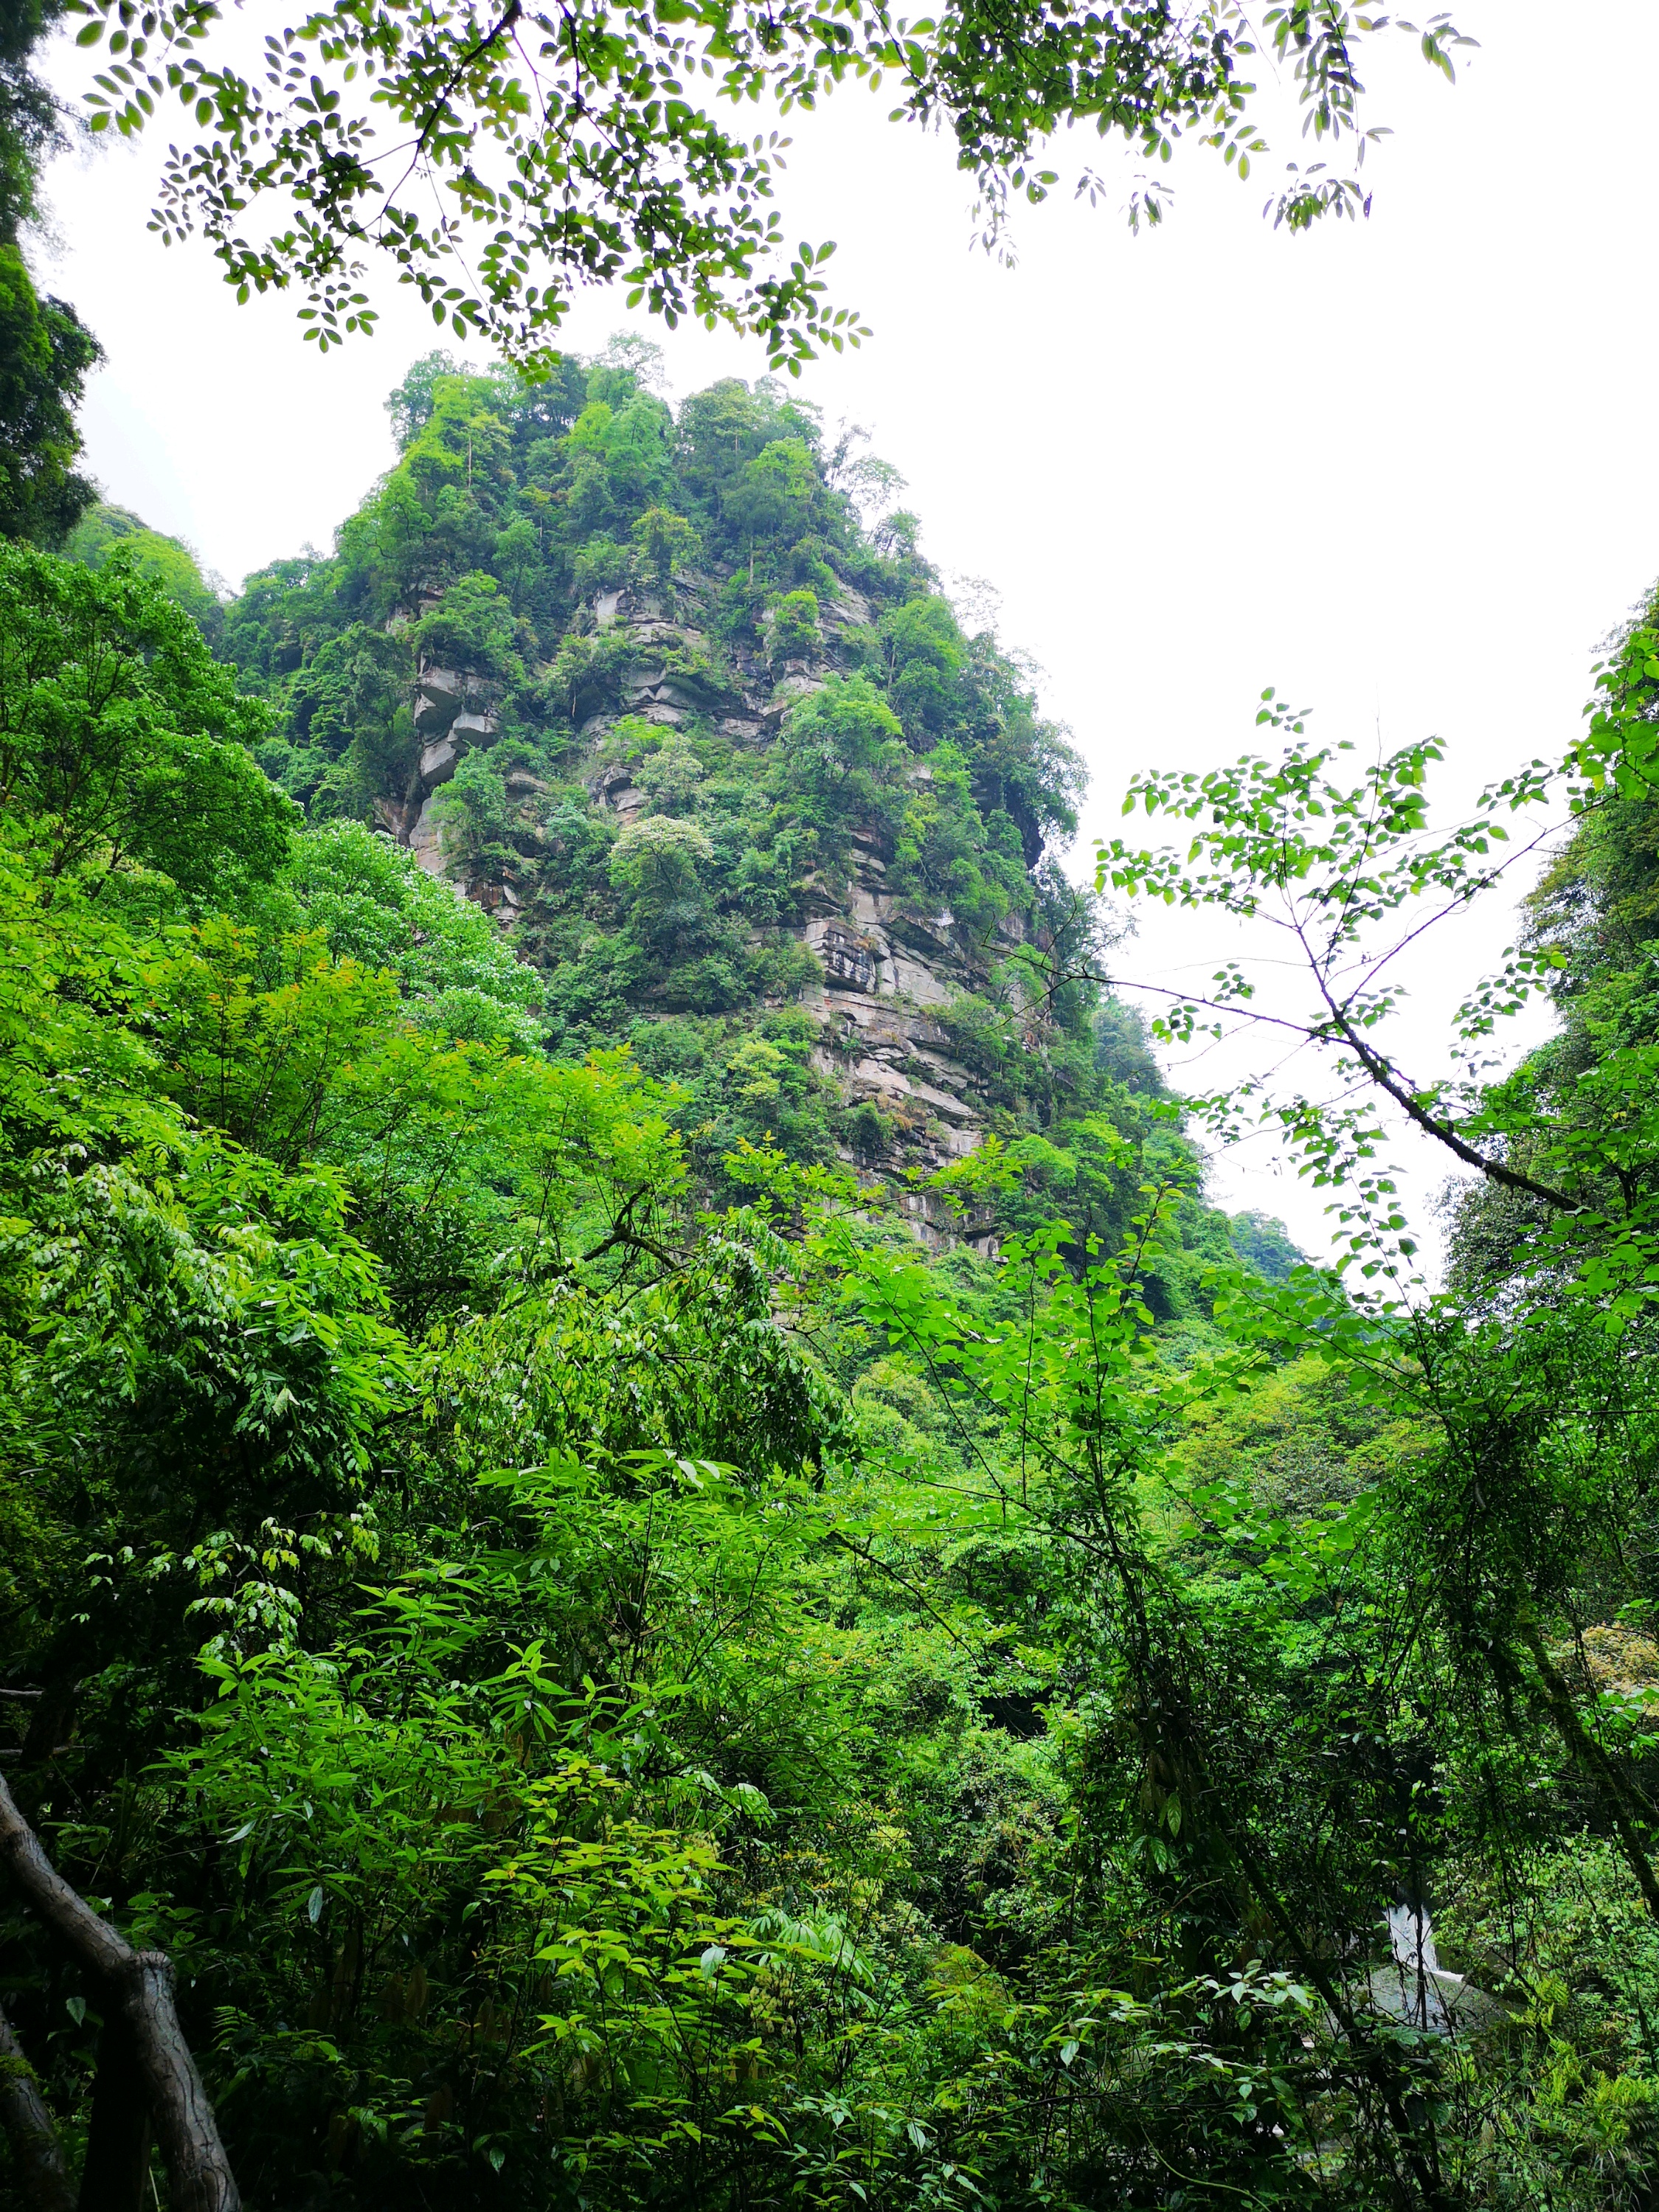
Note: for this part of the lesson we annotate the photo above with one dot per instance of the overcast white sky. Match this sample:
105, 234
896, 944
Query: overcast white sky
1404, 470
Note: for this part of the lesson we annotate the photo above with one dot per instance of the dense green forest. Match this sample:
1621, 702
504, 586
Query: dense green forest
655, 1550
645, 1616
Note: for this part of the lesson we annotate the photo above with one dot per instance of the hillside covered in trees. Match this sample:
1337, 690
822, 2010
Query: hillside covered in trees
656, 1551
722, 760
646, 1524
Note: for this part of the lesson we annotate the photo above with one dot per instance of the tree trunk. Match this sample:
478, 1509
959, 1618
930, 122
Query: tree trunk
117, 2169
35, 2150
142, 2040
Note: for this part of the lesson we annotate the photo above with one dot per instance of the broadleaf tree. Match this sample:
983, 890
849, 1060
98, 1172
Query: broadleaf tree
497, 159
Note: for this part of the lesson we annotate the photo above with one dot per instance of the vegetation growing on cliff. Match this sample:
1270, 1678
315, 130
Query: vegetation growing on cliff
709, 693
646, 1527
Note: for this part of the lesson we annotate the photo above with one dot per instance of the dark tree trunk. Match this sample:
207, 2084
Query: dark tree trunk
48, 1724
117, 2169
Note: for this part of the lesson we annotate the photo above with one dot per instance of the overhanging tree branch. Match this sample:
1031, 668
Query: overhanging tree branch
1382, 1073
136, 1991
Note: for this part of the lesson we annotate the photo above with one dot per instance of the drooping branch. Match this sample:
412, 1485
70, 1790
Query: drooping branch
141, 2031
1383, 1074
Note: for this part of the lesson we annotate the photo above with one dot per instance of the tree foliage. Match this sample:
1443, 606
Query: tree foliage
120, 737
500, 161
45, 350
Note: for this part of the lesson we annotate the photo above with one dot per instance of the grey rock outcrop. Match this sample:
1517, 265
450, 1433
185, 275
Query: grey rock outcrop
454, 711
887, 971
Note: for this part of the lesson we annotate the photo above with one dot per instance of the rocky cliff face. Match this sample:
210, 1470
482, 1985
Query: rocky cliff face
654, 688
887, 970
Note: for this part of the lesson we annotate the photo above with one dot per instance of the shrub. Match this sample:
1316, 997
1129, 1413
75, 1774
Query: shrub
793, 631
